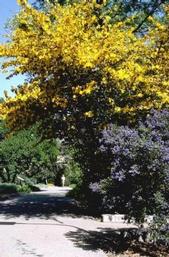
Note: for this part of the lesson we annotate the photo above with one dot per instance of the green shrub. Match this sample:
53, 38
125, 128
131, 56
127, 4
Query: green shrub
23, 188
8, 189
73, 174
27, 188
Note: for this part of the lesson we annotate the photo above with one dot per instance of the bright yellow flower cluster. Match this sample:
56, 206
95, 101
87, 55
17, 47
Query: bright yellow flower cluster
70, 57
89, 87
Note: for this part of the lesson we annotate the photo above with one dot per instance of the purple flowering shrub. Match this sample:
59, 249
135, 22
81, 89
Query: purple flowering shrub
138, 163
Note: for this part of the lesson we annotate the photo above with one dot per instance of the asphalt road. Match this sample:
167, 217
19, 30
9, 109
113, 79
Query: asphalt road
48, 224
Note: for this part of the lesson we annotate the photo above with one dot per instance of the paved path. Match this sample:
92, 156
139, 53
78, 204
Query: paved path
47, 224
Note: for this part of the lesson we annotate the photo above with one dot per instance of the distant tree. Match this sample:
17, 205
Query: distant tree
24, 154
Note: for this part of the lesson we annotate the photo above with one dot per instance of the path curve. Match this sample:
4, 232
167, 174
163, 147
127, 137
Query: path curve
47, 224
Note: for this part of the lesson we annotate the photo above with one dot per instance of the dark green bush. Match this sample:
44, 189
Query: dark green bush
8, 189
34, 188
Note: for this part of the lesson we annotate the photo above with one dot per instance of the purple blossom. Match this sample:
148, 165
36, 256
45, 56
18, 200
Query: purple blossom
136, 161
95, 187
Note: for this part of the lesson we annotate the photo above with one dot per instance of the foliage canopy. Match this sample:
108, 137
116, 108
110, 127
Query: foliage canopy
24, 155
82, 71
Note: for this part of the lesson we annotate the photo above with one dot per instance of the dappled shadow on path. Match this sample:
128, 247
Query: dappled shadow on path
115, 241
105, 239
46, 206
41, 205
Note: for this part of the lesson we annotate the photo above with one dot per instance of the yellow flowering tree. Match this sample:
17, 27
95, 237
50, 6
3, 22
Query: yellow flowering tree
82, 72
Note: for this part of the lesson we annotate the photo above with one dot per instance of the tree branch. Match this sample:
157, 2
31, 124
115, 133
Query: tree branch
156, 5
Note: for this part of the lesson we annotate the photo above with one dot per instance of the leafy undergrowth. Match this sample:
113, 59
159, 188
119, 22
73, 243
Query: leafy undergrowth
7, 191
136, 249
8, 188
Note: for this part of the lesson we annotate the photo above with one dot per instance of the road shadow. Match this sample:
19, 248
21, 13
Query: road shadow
46, 206
42, 205
116, 241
